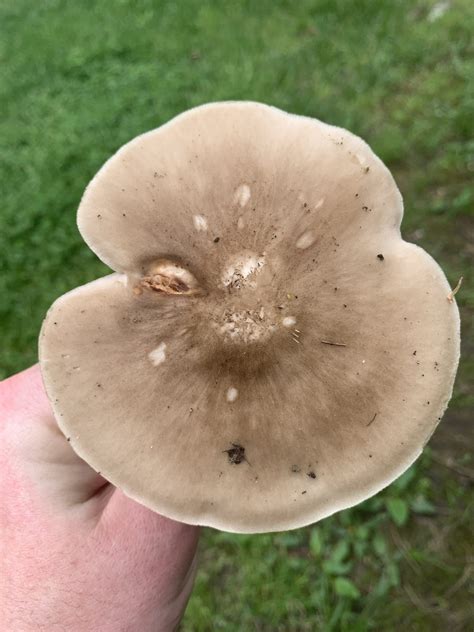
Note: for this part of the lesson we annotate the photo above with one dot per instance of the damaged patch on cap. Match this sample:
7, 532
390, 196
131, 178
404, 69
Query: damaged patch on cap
165, 277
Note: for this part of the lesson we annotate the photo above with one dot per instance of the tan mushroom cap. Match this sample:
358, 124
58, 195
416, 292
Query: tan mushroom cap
270, 350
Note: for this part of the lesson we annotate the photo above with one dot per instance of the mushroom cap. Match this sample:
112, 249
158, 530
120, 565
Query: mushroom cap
269, 350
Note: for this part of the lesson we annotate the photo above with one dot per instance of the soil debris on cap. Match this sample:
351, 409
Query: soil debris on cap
455, 290
372, 420
311, 474
380, 257
334, 344
236, 454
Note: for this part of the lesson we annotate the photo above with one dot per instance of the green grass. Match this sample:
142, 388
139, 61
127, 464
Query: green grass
395, 559
81, 78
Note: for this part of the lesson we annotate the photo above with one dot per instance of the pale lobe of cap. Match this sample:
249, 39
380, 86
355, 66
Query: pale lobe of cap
281, 369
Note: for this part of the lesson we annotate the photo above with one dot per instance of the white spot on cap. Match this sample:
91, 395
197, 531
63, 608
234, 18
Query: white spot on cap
306, 240
251, 265
319, 204
243, 266
242, 194
288, 321
158, 355
361, 159
232, 394
200, 222
240, 223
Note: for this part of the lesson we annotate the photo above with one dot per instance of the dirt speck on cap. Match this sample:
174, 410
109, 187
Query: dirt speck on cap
236, 454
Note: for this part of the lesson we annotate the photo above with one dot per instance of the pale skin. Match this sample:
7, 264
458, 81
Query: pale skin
75, 553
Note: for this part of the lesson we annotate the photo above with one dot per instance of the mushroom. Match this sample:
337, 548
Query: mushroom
249, 365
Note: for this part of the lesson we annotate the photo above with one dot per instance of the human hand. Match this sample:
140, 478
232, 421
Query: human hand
76, 554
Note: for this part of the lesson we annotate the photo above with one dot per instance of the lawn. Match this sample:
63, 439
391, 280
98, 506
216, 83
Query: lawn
80, 78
